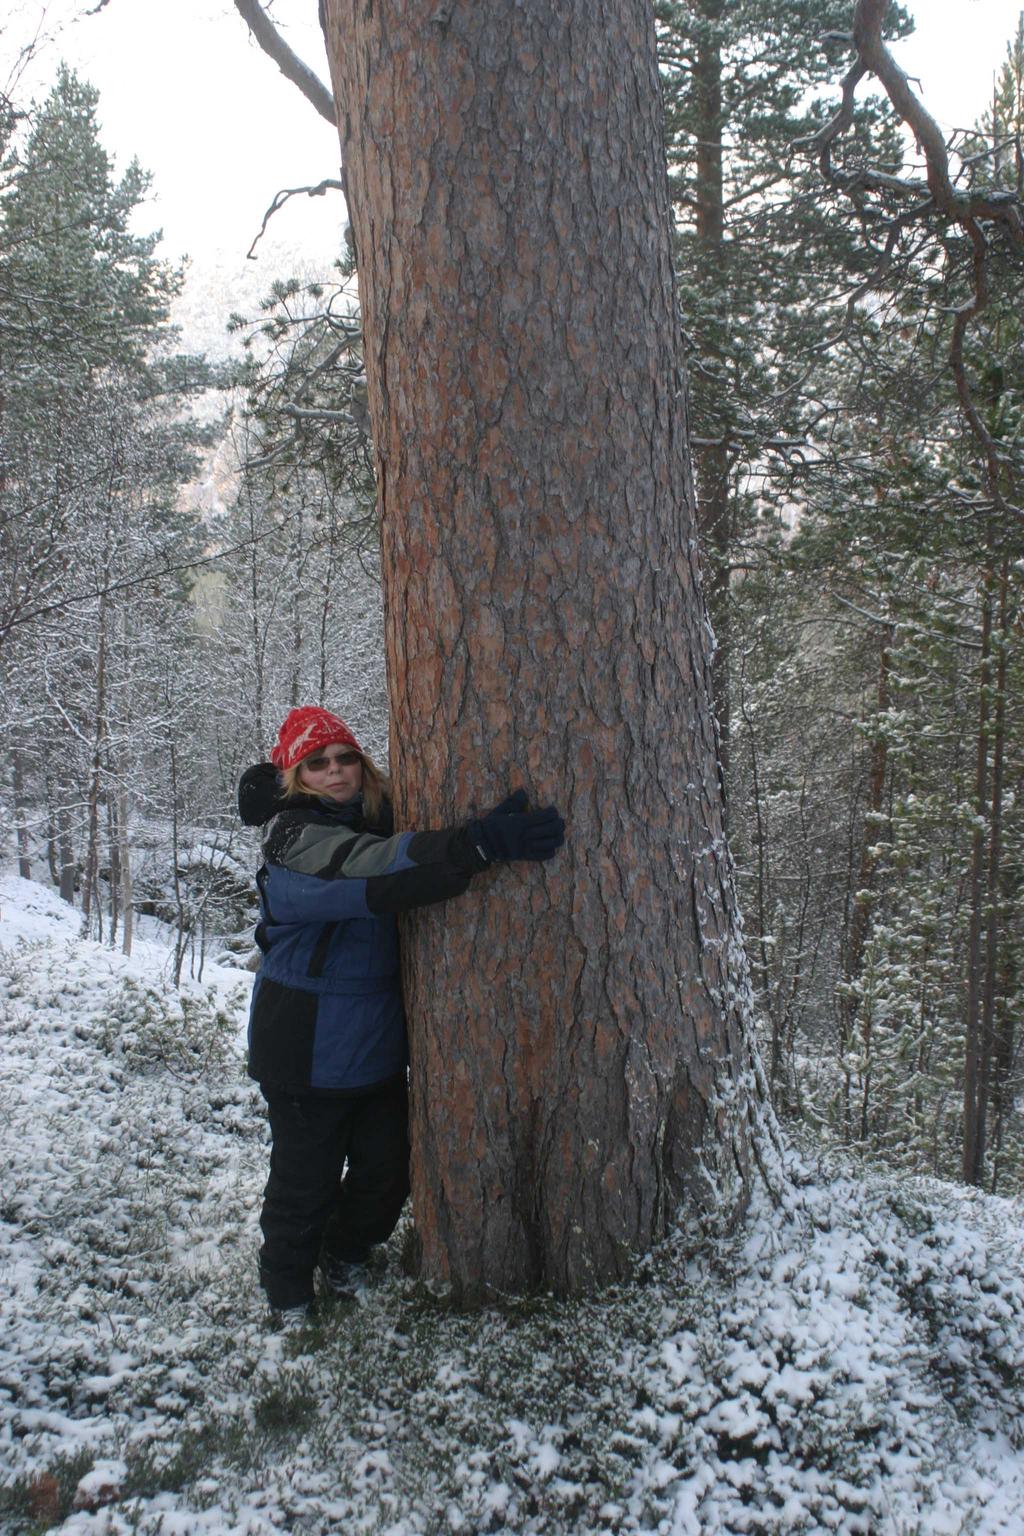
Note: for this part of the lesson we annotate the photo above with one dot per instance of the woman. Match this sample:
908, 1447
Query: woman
327, 1037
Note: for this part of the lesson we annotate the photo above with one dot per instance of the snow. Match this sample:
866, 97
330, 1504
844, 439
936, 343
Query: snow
851, 1361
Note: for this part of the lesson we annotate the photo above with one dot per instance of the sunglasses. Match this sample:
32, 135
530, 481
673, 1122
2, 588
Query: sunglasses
321, 762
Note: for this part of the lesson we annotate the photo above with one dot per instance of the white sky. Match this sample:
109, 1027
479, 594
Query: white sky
183, 89
956, 48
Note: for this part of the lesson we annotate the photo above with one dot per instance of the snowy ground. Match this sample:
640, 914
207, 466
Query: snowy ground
850, 1362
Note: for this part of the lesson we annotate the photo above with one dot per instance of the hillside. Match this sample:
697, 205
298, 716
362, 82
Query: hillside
852, 1361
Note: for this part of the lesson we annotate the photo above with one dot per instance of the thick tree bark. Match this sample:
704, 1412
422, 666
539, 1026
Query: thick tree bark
579, 1057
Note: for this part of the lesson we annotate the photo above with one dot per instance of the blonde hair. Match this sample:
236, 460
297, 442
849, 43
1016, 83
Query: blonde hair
376, 786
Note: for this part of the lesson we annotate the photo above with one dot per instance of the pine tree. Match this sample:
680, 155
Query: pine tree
578, 1048
766, 262
94, 451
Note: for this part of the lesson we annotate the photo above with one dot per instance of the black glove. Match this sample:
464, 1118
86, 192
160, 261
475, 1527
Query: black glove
259, 795
512, 803
507, 834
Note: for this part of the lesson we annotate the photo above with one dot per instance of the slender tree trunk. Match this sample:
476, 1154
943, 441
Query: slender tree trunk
51, 848
326, 603
714, 503
125, 862
114, 858
973, 1153
259, 636
1004, 1049
763, 970
579, 1054
715, 508
21, 813
91, 883
295, 623
860, 899
993, 886
66, 854
182, 934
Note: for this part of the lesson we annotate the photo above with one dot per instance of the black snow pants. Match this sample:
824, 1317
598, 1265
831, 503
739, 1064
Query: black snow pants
313, 1203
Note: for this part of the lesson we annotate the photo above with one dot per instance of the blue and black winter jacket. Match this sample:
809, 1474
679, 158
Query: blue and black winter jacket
327, 1004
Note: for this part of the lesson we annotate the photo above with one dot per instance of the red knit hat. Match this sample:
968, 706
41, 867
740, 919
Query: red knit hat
305, 731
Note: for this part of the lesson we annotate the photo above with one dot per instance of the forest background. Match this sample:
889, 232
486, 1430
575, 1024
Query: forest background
862, 565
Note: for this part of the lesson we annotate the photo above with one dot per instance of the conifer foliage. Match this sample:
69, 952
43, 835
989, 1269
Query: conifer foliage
766, 263
152, 633
877, 757
858, 501
92, 540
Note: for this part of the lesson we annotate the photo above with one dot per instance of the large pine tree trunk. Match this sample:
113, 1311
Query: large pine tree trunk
577, 1030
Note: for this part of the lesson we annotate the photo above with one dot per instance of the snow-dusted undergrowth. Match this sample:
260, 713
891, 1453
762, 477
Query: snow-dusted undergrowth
853, 1362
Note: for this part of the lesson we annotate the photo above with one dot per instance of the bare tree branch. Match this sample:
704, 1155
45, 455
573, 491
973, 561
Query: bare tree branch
308, 413
280, 198
1003, 208
873, 57
982, 216
153, 573
289, 63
